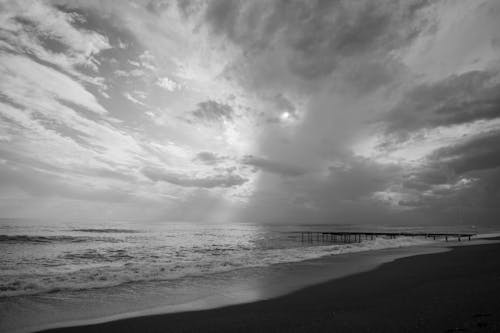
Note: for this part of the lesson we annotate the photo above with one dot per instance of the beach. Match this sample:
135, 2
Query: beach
249, 166
64, 275
452, 291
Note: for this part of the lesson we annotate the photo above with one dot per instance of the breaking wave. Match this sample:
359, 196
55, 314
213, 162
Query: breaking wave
101, 268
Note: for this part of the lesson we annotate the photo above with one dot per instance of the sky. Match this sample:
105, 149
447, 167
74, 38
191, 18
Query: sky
366, 112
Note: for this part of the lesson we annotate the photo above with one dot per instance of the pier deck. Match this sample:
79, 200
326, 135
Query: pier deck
355, 237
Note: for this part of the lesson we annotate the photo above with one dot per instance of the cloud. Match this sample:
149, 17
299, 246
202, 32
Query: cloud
425, 177
47, 184
213, 111
208, 157
344, 194
317, 35
57, 106
56, 127
411, 203
21, 79
168, 84
271, 166
360, 177
222, 180
288, 88
283, 103
41, 30
281, 109
455, 100
445, 169
458, 175
136, 73
133, 99
478, 153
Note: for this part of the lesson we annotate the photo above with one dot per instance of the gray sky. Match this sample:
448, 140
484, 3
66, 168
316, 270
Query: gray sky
253, 111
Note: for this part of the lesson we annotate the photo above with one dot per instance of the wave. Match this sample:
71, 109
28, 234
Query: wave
108, 230
38, 239
141, 269
97, 256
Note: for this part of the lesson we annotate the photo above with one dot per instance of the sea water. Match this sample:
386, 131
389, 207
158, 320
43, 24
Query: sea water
67, 271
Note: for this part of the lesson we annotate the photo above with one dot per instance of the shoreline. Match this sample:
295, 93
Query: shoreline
243, 285
240, 286
193, 318
271, 282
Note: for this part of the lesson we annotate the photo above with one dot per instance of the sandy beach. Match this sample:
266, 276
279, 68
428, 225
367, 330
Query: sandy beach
455, 291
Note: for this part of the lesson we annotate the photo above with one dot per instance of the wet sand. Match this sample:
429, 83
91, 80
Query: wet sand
456, 291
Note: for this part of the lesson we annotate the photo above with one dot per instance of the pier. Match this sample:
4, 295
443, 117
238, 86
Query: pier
357, 237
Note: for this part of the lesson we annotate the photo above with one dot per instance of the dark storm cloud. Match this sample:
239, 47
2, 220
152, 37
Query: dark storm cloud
479, 153
425, 177
320, 202
317, 34
457, 99
360, 177
275, 167
473, 203
213, 111
459, 174
334, 53
222, 180
465, 175
343, 195
338, 54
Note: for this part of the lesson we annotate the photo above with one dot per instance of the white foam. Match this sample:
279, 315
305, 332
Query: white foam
190, 263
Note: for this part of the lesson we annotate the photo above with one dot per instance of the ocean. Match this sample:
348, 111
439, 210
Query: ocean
52, 273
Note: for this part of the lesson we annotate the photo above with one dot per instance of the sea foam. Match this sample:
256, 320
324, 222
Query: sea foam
107, 267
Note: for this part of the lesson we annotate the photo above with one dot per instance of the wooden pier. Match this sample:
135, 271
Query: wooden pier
357, 237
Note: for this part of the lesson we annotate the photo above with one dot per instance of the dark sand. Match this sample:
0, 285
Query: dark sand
456, 291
